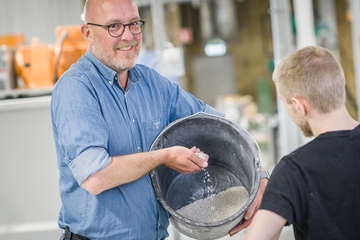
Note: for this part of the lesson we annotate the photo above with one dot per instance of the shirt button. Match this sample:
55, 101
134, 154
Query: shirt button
133, 120
139, 148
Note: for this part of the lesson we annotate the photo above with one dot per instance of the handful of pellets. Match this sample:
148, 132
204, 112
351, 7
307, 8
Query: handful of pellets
201, 154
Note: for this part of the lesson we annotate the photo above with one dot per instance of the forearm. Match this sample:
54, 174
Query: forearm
124, 169
265, 226
128, 168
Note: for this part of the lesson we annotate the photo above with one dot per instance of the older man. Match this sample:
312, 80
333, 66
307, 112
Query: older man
106, 112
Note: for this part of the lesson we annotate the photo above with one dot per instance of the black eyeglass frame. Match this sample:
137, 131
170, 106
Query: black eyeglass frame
124, 25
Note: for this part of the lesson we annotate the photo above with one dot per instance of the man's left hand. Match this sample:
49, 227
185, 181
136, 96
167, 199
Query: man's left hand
250, 213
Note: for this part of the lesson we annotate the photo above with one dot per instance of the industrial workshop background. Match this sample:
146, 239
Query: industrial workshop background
222, 51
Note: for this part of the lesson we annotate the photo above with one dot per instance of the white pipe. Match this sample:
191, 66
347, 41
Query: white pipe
305, 36
283, 44
157, 13
305, 29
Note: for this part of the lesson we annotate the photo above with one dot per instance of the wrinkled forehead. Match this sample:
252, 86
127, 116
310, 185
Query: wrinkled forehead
108, 11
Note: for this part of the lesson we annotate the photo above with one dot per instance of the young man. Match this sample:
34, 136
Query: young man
316, 188
106, 112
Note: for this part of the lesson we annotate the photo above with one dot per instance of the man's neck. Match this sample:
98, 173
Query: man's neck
336, 120
123, 79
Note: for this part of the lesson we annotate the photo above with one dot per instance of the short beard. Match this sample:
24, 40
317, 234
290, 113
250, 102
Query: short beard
118, 65
306, 129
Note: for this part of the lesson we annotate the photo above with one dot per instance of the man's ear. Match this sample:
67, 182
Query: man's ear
85, 30
300, 105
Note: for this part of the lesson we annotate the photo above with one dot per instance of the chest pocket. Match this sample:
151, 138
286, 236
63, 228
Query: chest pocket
152, 129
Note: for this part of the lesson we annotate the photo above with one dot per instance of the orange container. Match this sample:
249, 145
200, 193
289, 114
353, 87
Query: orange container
35, 65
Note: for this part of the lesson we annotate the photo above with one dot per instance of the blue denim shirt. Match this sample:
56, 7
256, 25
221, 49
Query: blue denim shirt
93, 119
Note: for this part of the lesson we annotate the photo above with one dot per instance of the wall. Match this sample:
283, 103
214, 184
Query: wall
29, 196
38, 18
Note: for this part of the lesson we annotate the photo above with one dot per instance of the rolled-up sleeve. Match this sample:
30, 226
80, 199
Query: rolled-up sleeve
88, 163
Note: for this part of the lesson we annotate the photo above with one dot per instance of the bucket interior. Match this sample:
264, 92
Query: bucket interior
233, 161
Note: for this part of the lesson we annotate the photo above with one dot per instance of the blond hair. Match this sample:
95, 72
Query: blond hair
314, 74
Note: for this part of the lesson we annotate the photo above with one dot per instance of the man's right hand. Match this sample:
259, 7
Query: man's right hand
185, 160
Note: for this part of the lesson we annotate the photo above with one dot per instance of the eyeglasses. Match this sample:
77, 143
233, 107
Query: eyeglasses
117, 29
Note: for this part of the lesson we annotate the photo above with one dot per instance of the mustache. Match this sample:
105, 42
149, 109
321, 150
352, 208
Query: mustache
125, 44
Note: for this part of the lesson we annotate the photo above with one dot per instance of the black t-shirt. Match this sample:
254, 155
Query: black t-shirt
316, 188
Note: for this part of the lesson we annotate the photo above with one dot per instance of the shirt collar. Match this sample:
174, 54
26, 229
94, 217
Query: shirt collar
110, 76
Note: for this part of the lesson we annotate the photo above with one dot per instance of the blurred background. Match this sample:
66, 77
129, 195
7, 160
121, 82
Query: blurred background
222, 51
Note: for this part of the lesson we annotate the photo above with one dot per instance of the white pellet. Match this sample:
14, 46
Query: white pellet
201, 154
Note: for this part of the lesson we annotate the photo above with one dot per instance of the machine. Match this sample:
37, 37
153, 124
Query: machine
37, 65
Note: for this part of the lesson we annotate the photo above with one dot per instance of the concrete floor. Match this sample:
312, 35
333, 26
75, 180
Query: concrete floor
46, 235
286, 234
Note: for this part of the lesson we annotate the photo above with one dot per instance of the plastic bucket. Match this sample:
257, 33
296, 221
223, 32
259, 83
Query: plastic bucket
233, 161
